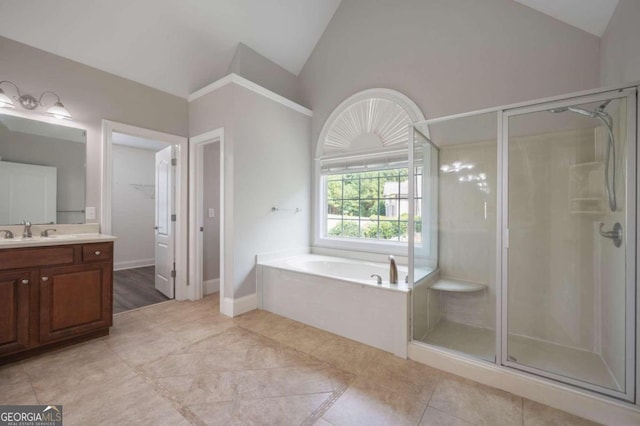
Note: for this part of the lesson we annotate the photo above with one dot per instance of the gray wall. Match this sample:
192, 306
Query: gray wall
267, 164
92, 95
251, 65
211, 198
621, 45
449, 56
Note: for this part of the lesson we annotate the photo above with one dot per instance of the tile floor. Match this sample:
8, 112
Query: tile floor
178, 363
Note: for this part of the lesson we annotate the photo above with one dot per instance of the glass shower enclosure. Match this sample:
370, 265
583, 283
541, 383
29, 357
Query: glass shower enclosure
532, 237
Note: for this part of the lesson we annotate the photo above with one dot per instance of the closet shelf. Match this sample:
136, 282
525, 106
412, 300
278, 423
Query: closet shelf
457, 286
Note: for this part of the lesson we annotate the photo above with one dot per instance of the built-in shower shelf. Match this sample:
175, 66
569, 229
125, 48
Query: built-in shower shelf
586, 188
457, 286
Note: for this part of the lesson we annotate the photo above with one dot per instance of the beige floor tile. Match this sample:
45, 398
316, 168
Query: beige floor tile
421, 379
347, 355
476, 403
196, 364
145, 346
542, 415
183, 362
15, 386
303, 338
73, 367
289, 410
275, 355
372, 402
231, 338
123, 400
433, 417
208, 388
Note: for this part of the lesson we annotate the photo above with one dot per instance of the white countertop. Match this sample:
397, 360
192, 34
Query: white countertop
55, 240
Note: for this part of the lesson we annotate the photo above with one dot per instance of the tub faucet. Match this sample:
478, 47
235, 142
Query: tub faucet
27, 229
378, 278
393, 271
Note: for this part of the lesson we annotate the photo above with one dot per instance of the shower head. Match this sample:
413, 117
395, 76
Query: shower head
603, 105
574, 109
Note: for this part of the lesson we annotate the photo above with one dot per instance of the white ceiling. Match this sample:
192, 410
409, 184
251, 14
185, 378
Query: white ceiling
175, 46
591, 16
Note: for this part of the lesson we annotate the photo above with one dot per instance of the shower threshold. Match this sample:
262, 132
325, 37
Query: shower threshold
558, 359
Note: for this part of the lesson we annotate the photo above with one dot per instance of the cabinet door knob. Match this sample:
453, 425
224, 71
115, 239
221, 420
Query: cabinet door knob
25, 281
97, 252
45, 278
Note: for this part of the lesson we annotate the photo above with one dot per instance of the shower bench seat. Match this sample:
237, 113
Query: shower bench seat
457, 286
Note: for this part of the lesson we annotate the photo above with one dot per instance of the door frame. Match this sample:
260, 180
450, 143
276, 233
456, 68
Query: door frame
196, 205
181, 191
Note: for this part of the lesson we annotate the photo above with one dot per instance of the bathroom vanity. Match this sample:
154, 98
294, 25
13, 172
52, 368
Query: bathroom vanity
54, 292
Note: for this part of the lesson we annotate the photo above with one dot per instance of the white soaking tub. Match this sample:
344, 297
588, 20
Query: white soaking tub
338, 295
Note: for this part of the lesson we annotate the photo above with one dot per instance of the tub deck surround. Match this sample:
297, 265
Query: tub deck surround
339, 295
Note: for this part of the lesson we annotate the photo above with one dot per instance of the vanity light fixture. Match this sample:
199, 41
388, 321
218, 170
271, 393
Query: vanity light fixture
29, 102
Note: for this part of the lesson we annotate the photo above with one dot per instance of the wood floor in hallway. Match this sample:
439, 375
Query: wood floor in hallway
134, 288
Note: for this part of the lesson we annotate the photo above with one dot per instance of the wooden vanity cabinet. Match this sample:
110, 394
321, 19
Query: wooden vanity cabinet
14, 310
52, 296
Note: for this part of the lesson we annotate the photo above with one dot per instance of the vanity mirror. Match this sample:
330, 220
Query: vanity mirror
42, 172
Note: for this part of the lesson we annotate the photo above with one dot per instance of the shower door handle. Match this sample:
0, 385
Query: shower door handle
615, 234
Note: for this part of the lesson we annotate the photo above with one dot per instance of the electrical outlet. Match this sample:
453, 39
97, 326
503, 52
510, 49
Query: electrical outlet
212, 212
90, 213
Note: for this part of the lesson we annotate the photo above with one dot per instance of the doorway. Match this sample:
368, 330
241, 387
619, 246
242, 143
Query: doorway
142, 204
206, 217
142, 191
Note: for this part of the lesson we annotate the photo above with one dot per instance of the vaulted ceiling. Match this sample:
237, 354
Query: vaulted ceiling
181, 46
175, 46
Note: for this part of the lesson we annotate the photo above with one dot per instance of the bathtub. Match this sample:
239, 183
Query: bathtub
338, 295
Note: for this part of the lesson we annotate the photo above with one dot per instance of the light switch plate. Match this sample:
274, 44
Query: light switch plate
90, 213
212, 212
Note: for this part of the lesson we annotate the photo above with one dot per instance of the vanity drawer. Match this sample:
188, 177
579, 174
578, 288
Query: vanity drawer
97, 252
34, 257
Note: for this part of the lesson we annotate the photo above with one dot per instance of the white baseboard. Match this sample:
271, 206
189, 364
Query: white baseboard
597, 408
234, 307
211, 286
131, 264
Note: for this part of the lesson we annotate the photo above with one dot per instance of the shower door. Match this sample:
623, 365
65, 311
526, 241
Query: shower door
569, 245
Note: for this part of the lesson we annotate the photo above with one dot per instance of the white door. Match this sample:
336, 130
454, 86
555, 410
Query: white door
164, 242
38, 182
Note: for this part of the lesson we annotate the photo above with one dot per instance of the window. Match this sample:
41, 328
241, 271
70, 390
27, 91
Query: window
372, 205
362, 188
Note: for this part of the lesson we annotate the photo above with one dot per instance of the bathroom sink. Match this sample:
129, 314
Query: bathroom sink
60, 237
38, 239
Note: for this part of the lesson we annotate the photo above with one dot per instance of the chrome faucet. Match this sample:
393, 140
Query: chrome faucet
7, 234
27, 229
45, 233
393, 271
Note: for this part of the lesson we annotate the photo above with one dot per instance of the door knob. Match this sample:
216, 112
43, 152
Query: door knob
155, 228
25, 281
45, 278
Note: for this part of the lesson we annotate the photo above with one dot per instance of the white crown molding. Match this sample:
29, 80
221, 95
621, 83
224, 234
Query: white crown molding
248, 84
